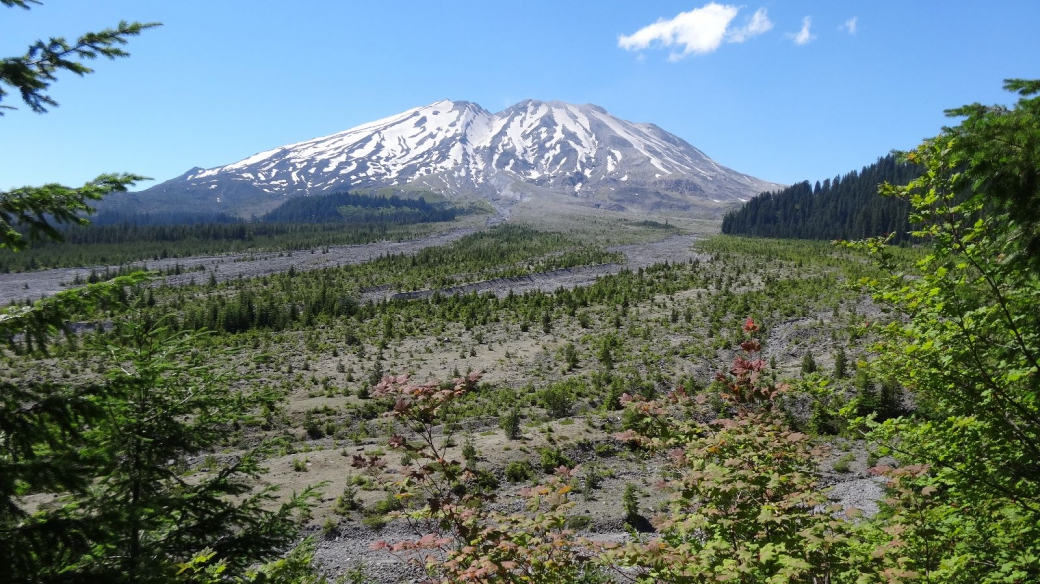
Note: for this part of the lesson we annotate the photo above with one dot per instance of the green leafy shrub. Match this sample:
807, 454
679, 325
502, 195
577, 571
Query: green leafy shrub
554, 458
519, 471
557, 399
963, 505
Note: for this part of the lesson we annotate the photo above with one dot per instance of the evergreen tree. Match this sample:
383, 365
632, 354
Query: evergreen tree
511, 423
354, 209
32, 74
841, 363
41, 421
808, 363
41, 428
114, 448
161, 406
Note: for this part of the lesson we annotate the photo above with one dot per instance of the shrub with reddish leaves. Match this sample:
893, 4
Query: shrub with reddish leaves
466, 542
746, 505
532, 547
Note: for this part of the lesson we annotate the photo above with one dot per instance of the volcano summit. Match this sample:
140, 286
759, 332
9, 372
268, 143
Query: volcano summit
577, 154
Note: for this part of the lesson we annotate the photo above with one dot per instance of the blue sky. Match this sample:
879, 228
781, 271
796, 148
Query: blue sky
794, 99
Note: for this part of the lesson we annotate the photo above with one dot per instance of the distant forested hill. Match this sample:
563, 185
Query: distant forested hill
358, 209
847, 207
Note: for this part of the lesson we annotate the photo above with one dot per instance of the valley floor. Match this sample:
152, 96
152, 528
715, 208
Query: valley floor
662, 314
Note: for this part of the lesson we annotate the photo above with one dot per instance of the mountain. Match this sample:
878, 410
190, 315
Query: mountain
577, 154
847, 207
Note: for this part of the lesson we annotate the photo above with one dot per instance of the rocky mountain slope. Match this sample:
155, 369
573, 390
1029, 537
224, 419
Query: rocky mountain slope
577, 154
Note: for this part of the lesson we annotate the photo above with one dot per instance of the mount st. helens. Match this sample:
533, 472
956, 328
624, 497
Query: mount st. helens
577, 154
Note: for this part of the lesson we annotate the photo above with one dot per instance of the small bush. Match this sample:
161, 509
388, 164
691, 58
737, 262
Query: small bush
314, 430
808, 364
388, 504
376, 522
519, 471
329, 526
593, 478
511, 423
486, 481
553, 458
630, 501
841, 363
469, 451
557, 401
578, 522
348, 501
842, 464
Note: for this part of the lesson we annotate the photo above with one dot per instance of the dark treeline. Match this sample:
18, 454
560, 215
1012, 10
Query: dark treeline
299, 223
340, 209
846, 207
107, 217
119, 244
129, 232
355, 209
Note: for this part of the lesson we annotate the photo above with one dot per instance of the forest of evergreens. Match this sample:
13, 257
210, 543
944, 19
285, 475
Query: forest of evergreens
114, 245
846, 207
112, 217
356, 209
299, 223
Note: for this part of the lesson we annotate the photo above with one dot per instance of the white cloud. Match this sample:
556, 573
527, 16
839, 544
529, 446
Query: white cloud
802, 37
699, 31
757, 24
850, 25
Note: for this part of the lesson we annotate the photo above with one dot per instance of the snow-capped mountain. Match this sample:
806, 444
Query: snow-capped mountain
459, 149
